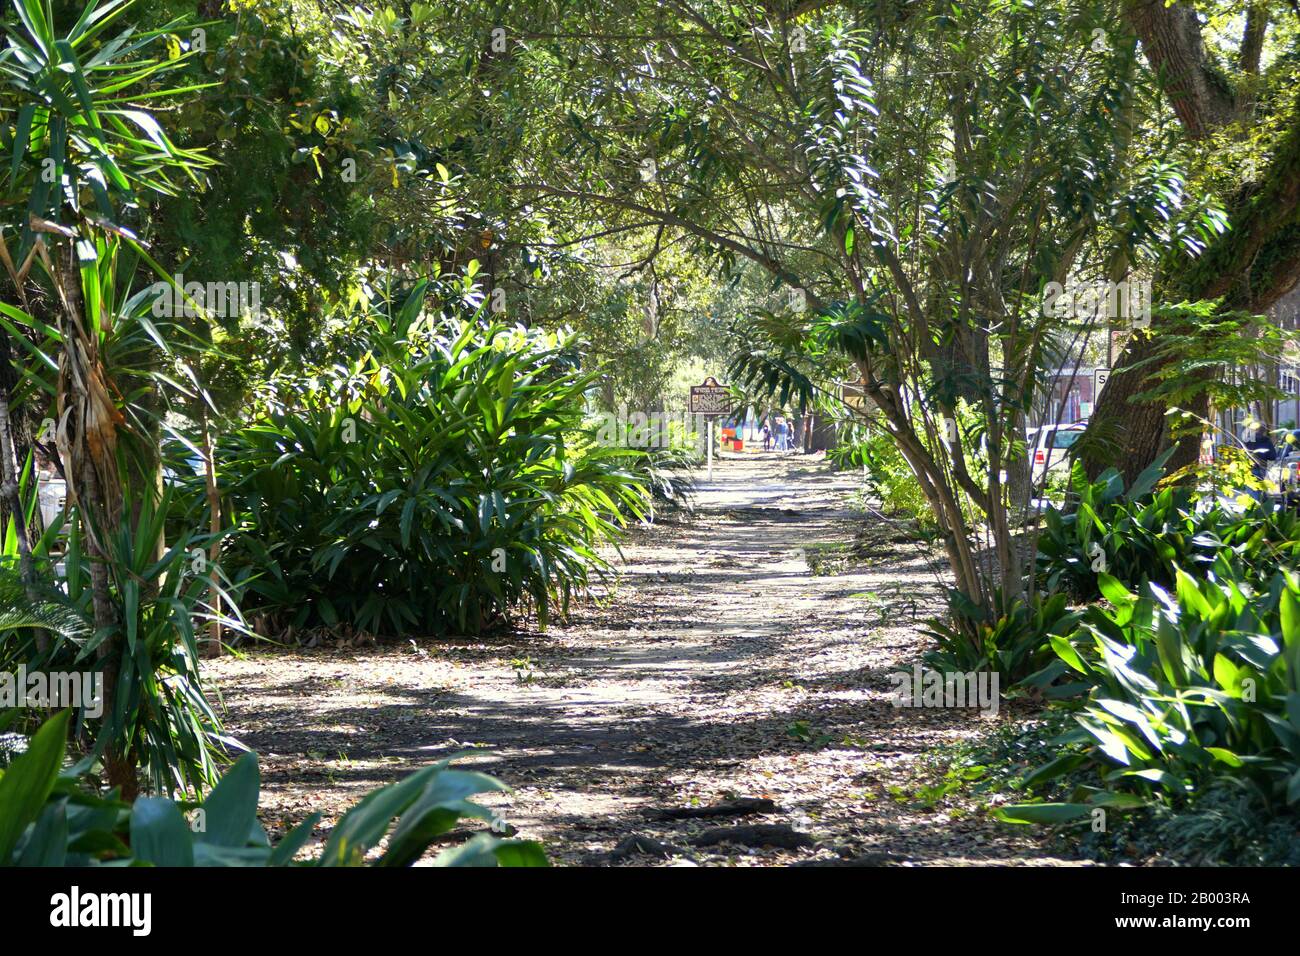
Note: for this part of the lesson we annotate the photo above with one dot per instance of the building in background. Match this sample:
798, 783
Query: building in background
1069, 400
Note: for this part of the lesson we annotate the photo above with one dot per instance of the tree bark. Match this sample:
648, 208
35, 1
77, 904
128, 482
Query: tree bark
1171, 36
1249, 267
119, 763
1252, 39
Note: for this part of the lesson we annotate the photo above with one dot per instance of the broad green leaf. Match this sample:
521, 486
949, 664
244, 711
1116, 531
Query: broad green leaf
230, 810
29, 780
1041, 812
160, 834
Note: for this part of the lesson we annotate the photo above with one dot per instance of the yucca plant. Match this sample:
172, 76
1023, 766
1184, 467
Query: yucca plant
159, 716
78, 99
113, 571
159, 709
39, 624
70, 99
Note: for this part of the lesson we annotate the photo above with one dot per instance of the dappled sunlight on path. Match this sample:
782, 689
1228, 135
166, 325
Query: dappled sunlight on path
720, 664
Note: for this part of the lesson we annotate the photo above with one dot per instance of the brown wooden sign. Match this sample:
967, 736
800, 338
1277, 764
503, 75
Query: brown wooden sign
710, 399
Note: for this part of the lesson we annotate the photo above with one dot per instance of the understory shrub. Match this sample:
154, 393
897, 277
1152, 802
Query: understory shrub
1182, 675
441, 480
886, 474
663, 463
1144, 535
1190, 685
666, 474
1014, 643
157, 711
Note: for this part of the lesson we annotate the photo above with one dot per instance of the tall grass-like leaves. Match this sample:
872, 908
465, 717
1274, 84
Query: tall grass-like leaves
442, 481
86, 150
160, 711
76, 131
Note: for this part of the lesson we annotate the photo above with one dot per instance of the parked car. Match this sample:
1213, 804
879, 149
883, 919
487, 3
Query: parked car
1050, 447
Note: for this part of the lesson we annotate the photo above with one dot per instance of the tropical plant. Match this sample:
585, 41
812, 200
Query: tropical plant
665, 473
1015, 643
1146, 535
49, 818
439, 481
1189, 686
662, 457
84, 151
123, 573
159, 716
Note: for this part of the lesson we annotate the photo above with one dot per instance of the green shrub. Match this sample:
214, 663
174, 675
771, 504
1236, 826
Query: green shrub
666, 474
159, 714
886, 475
1190, 686
1187, 681
441, 480
662, 463
48, 818
1015, 643
1145, 535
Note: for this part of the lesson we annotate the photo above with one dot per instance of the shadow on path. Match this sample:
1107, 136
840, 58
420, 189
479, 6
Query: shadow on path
720, 664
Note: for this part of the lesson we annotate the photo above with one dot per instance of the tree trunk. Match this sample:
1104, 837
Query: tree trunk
1171, 37
1130, 434
119, 763
88, 446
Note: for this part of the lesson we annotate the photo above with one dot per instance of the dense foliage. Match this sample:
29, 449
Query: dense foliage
1183, 674
439, 481
1194, 683
470, 227
1147, 535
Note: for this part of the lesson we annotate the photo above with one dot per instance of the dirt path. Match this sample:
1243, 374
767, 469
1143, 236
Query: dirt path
720, 665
